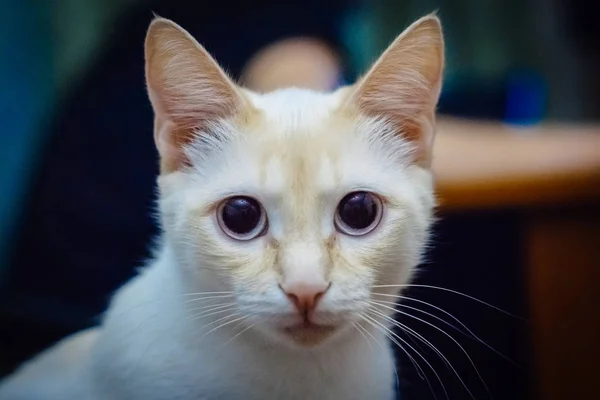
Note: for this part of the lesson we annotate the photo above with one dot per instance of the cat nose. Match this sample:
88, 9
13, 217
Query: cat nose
305, 295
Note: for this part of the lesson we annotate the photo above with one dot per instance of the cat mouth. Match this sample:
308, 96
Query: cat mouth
308, 333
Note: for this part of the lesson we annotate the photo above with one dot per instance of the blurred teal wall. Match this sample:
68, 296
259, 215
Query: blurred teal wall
45, 45
26, 100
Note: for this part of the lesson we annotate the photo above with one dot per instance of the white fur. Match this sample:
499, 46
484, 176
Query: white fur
298, 155
148, 349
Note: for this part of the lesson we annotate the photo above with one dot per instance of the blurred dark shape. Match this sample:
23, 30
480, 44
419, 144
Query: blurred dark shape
581, 20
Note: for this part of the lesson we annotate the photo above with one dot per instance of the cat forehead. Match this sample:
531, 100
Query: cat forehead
302, 141
300, 145
294, 111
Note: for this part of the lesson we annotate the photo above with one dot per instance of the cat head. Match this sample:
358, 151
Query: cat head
299, 204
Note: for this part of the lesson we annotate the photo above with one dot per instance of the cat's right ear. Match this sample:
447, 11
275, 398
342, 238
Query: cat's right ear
187, 88
403, 86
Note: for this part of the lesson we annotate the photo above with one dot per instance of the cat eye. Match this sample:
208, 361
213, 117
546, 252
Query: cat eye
358, 213
242, 218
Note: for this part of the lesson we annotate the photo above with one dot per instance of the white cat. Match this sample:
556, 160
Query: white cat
284, 215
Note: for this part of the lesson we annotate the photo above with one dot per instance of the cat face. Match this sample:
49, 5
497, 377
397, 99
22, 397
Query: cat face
297, 202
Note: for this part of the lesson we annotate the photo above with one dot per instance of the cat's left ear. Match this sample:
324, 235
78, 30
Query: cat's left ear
404, 85
187, 88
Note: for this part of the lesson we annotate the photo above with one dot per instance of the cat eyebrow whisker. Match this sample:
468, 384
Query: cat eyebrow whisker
412, 331
409, 285
394, 338
469, 333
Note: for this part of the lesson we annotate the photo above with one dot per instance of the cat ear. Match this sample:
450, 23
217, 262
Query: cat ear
404, 85
187, 88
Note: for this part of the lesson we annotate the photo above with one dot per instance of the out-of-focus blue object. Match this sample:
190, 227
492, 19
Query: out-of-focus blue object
518, 99
26, 89
526, 98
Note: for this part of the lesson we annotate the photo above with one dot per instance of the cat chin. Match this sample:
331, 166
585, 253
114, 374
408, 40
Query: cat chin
307, 335
304, 336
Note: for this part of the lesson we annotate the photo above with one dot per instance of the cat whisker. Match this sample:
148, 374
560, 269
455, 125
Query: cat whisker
240, 333
137, 306
394, 338
207, 314
412, 332
216, 321
363, 330
159, 300
207, 298
210, 307
402, 326
416, 343
409, 285
204, 293
226, 323
247, 312
358, 327
141, 323
414, 362
468, 332
145, 351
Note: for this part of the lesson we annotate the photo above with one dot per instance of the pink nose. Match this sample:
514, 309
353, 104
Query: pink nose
305, 295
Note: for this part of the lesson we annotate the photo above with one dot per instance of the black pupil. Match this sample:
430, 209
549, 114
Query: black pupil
358, 210
241, 215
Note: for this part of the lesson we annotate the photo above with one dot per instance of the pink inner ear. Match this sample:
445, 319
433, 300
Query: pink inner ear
170, 146
187, 89
404, 85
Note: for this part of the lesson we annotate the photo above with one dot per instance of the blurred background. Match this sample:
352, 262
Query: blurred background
518, 164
